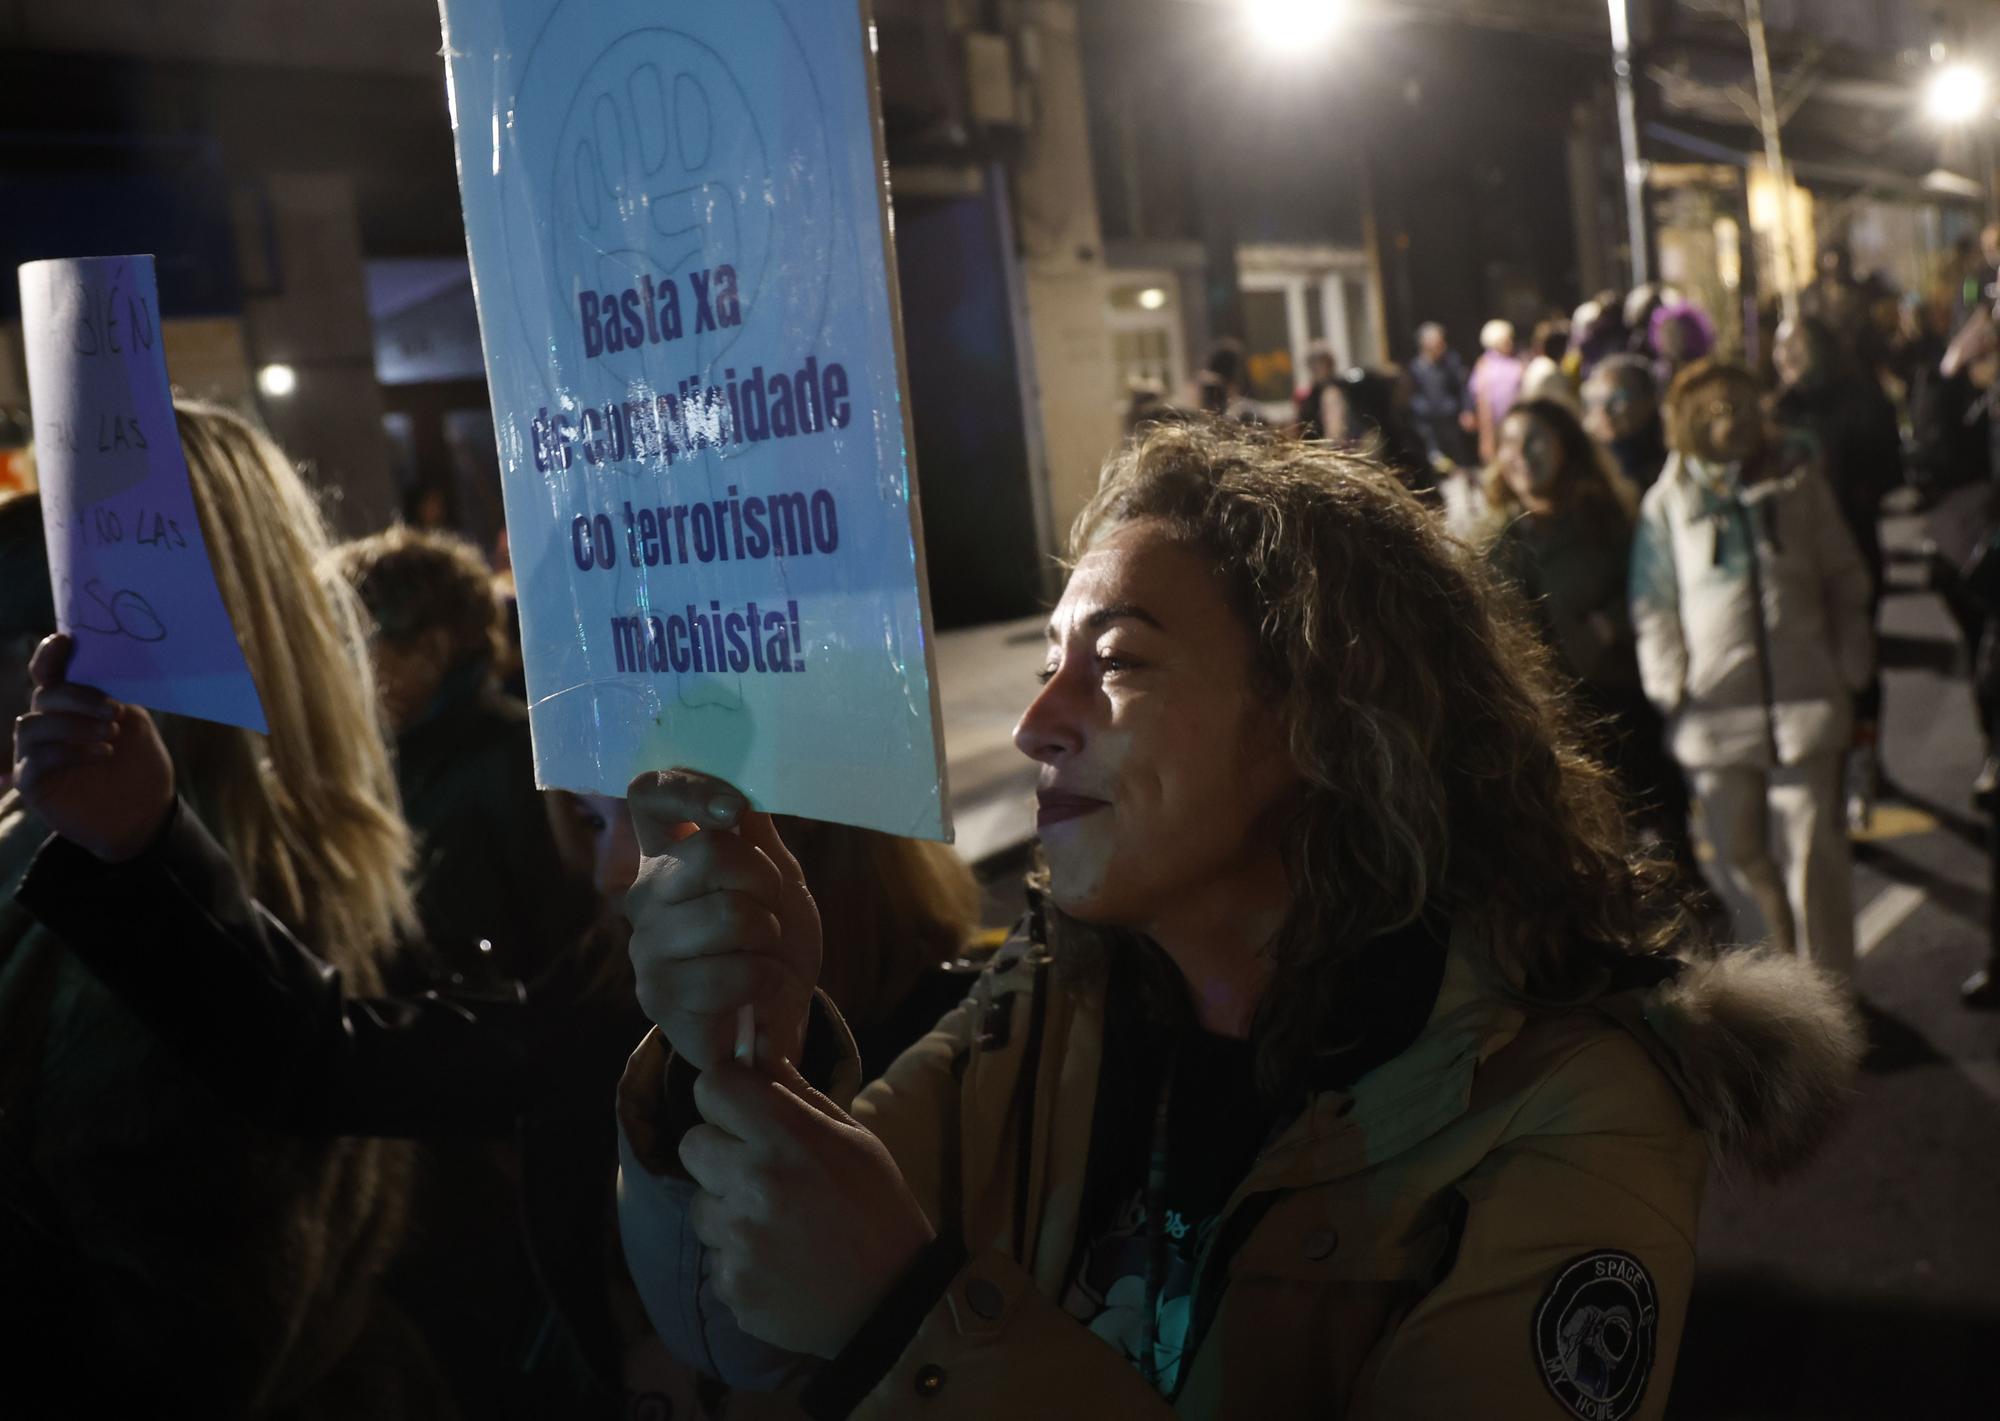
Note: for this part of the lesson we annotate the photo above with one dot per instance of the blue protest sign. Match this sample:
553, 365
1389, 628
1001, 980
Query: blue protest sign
133, 582
680, 250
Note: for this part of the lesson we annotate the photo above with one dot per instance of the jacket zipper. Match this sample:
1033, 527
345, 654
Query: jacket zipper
1212, 1271
1031, 1069
1763, 634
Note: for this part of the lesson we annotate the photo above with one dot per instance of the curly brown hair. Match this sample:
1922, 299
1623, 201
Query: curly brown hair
414, 580
1442, 770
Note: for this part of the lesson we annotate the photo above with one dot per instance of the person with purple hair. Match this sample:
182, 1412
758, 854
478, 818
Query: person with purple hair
1679, 333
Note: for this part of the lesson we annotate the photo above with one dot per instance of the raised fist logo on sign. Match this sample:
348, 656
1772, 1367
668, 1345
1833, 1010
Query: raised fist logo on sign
673, 159
660, 170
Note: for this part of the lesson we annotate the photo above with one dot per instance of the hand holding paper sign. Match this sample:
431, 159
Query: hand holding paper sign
720, 921
807, 1220
133, 581
678, 229
91, 769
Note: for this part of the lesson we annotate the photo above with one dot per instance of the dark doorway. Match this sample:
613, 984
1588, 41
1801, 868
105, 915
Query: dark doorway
966, 411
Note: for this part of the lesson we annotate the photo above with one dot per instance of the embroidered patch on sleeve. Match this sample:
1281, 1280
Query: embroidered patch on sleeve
1595, 1335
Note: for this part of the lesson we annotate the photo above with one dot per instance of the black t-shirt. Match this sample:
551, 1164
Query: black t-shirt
1217, 1122
1215, 1127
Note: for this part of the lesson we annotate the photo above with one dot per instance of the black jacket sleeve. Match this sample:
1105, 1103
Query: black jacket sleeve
270, 1028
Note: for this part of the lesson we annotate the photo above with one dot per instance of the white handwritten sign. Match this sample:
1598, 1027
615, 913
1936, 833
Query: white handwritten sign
133, 582
678, 231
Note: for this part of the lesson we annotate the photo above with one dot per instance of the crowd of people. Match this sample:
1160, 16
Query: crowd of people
1698, 541
1364, 1044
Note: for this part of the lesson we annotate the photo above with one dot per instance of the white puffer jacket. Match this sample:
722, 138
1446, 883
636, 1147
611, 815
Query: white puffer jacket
1743, 683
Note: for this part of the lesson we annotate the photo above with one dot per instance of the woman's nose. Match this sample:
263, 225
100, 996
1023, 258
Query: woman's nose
1049, 729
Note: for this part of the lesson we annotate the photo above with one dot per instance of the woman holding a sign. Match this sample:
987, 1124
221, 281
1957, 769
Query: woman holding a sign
1358, 1071
1351, 1070
164, 1254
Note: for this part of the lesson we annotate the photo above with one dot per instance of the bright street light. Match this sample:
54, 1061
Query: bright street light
277, 381
1292, 24
1152, 298
1957, 93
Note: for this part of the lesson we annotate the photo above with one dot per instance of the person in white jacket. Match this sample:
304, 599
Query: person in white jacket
1751, 604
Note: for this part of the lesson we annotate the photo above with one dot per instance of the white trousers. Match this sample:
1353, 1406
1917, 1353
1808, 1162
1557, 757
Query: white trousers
1780, 842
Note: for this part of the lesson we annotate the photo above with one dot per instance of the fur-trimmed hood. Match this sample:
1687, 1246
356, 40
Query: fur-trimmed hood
1764, 1048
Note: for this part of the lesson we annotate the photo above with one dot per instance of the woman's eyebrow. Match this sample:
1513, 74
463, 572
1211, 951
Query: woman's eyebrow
1103, 617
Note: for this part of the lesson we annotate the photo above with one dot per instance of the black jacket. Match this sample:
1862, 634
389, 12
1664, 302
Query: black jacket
1852, 426
270, 1028
1641, 456
228, 988
486, 854
1439, 390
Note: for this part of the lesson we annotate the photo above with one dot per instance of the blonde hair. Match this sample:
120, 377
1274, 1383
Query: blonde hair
889, 908
1496, 333
309, 814
309, 818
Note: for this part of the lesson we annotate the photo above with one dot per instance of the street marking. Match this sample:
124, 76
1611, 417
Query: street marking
1883, 915
1893, 821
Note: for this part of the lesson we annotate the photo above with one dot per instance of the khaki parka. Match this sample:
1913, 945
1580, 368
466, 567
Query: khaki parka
1498, 1222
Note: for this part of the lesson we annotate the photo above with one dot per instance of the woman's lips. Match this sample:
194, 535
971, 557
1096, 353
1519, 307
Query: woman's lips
1055, 808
